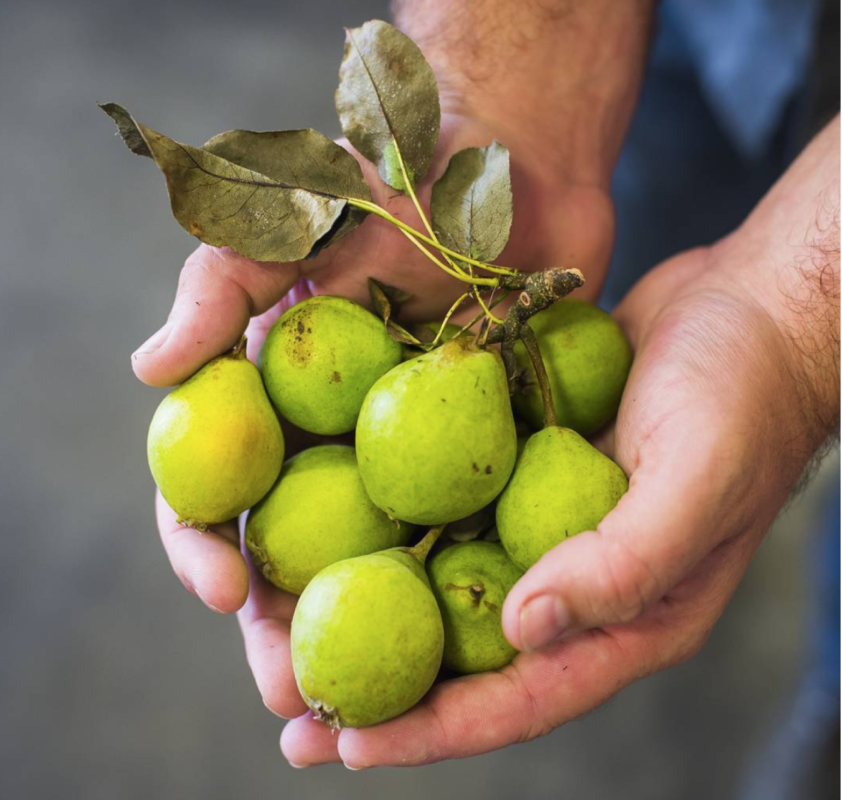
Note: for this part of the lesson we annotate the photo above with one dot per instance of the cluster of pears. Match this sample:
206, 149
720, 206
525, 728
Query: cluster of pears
436, 445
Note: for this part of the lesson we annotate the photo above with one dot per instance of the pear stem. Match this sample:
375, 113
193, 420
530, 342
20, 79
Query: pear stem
239, 351
422, 549
530, 341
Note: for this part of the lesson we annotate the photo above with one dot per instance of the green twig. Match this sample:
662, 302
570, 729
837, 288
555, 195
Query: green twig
461, 299
381, 212
458, 275
478, 317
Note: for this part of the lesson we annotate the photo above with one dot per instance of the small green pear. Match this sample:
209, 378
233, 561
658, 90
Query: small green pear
562, 485
587, 358
317, 513
367, 638
320, 359
215, 445
436, 438
470, 581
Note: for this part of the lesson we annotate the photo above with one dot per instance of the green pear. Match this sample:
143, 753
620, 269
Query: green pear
470, 581
367, 638
215, 445
317, 513
587, 358
562, 485
320, 359
436, 438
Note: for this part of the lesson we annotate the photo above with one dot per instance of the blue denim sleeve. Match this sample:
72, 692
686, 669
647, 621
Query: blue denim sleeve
750, 58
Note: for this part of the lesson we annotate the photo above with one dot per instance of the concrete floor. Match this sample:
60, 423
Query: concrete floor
114, 682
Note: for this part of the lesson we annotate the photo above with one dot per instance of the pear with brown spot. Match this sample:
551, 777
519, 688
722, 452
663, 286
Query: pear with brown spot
470, 581
320, 359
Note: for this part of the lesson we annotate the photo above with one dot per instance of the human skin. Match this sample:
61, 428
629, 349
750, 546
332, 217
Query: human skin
733, 390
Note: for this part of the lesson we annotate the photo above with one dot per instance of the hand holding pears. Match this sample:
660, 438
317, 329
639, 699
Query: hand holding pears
436, 441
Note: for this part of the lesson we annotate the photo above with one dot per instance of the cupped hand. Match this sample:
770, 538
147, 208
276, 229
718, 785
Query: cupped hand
733, 391
710, 438
221, 294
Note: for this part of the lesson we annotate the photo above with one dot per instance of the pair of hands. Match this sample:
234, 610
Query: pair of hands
710, 431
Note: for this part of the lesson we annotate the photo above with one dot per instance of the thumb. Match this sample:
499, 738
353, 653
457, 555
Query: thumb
661, 528
218, 292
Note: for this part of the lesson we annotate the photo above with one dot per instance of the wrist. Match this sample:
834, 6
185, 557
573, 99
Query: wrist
795, 283
555, 84
795, 231
805, 306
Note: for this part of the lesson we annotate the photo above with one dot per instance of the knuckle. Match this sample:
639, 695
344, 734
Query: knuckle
444, 744
200, 261
538, 724
202, 267
627, 583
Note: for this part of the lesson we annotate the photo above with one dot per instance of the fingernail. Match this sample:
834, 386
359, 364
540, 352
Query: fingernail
280, 716
298, 766
353, 769
198, 594
211, 606
542, 620
153, 343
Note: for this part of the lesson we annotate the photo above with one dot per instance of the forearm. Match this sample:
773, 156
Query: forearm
561, 77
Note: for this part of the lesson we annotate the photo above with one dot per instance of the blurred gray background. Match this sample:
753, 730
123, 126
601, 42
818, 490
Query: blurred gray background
114, 682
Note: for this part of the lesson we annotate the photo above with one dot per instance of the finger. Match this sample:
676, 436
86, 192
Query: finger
539, 691
306, 741
264, 622
208, 564
218, 292
476, 714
